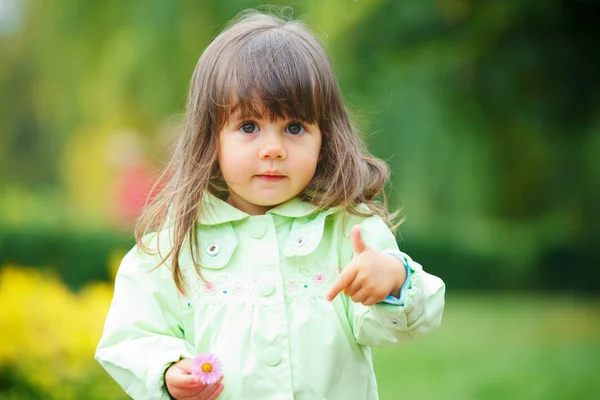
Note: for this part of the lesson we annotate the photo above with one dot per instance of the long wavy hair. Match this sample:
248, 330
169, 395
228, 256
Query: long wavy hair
260, 64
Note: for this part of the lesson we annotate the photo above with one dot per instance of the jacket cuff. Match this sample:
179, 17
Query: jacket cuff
399, 301
157, 386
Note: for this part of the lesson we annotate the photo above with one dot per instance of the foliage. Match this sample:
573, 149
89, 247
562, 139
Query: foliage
486, 111
76, 256
49, 335
488, 114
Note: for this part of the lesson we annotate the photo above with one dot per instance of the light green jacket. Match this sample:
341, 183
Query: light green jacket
261, 308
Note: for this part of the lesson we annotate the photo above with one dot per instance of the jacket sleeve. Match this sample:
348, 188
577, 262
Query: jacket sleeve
143, 332
389, 324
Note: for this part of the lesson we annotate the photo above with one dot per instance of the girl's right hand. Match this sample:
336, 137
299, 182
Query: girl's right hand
181, 384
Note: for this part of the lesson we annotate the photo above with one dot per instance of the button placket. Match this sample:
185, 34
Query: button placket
258, 230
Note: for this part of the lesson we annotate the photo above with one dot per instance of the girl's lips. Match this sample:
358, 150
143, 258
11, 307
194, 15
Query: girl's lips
270, 178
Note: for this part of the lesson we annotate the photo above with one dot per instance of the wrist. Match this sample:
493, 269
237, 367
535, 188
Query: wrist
398, 293
395, 292
400, 273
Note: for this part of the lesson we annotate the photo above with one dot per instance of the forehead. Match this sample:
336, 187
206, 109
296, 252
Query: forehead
261, 80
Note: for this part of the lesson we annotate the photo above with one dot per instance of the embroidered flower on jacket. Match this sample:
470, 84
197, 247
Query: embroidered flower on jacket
240, 290
292, 285
209, 287
319, 278
208, 367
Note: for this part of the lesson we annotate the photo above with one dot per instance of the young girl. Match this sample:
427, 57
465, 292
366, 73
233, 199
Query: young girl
265, 246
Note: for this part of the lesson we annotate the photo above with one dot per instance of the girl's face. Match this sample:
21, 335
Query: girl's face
266, 163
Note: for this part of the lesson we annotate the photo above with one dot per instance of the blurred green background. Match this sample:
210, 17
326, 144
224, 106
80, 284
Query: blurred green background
488, 113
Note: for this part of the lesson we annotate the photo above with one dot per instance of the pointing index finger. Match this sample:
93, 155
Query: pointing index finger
342, 282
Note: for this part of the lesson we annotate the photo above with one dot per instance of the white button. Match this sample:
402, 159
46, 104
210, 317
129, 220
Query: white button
265, 288
272, 357
213, 249
258, 230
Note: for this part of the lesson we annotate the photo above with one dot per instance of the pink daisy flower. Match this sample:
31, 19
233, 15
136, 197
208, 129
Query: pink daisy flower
208, 368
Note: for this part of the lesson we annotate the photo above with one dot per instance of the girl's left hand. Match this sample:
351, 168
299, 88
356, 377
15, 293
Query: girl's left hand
370, 276
181, 384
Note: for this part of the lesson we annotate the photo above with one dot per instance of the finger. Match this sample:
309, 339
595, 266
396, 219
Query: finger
191, 382
208, 389
217, 392
370, 301
180, 378
342, 282
358, 244
360, 296
186, 364
354, 287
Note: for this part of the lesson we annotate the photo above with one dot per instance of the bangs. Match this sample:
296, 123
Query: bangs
272, 75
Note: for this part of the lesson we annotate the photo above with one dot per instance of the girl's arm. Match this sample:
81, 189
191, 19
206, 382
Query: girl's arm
383, 323
143, 333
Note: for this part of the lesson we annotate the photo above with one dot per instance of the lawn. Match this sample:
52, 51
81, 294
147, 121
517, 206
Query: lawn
500, 347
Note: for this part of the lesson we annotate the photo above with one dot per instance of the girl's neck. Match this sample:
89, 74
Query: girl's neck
247, 207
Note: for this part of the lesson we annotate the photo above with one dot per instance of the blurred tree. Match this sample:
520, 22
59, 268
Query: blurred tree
487, 112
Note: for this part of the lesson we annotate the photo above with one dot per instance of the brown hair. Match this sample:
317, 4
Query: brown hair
261, 63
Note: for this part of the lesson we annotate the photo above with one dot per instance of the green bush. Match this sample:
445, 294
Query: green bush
77, 256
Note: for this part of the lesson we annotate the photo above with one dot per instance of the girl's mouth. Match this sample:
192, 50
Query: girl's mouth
270, 178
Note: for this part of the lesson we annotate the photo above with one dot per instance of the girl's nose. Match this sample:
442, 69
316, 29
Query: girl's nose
272, 148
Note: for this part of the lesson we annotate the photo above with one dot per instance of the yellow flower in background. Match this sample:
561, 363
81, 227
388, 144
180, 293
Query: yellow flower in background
49, 334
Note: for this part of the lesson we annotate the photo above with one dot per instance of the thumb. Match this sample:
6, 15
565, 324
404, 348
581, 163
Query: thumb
186, 365
358, 244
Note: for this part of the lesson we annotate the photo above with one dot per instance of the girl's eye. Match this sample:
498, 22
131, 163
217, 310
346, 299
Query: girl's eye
249, 127
294, 128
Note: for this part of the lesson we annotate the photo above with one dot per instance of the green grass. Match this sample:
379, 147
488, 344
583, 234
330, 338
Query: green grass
500, 347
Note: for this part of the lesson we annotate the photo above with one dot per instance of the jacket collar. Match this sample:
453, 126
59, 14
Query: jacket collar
216, 211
